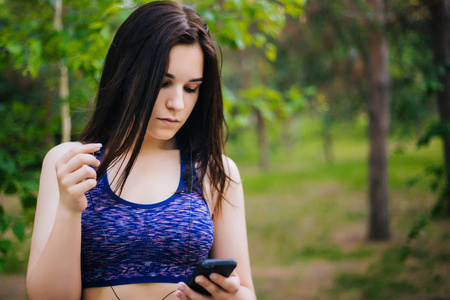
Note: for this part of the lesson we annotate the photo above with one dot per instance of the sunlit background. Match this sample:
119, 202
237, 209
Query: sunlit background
305, 84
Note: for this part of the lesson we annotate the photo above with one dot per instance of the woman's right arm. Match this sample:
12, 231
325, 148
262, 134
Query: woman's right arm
54, 270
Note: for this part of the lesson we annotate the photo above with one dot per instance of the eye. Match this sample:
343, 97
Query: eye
191, 90
165, 84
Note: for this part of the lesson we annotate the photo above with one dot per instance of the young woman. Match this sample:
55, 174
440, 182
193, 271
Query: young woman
158, 197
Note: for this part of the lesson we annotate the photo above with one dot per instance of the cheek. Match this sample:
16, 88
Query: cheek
159, 99
192, 104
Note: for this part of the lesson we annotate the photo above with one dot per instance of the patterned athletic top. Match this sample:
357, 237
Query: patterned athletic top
143, 242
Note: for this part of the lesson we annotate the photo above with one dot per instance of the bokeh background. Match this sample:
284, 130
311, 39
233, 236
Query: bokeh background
338, 114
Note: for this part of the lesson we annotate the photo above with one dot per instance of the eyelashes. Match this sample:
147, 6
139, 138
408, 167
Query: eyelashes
186, 88
190, 90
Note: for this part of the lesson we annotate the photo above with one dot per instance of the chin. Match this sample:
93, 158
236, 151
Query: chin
161, 136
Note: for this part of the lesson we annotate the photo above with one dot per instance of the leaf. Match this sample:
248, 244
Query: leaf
19, 230
35, 59
3, 220
5, 246
28, 201
14, 49
418, 227
271, 52
97, 25
11, 188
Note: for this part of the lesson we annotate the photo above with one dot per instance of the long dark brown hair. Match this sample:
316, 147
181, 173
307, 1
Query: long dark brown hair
133, 73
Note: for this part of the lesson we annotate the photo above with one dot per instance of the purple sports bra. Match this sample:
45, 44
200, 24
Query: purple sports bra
143, 242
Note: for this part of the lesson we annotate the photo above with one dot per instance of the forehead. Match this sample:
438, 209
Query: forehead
186, 62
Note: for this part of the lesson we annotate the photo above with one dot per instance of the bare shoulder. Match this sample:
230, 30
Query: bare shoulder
233, 184
59, 150
231, 169
234, 191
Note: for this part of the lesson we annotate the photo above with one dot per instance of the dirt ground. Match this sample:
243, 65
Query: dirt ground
12, 287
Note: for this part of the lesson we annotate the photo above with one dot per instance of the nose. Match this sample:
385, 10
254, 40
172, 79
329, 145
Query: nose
176, 99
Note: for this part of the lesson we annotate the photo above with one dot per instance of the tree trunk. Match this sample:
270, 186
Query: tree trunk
379, 115
66, 122
286, 136
327, 137
247, 68
262, 141
440, 33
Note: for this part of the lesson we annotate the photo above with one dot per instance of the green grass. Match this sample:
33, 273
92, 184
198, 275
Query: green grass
305, 211
333, 253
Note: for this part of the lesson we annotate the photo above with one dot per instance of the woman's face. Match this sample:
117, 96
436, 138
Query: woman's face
179, 92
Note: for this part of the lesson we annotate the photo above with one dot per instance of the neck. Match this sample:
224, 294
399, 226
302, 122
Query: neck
151, 144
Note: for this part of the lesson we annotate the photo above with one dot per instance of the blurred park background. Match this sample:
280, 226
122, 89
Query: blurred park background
339, 118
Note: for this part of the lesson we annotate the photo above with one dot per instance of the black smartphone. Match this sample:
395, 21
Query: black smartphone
223, 267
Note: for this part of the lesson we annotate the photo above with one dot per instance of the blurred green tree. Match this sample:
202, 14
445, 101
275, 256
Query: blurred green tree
328, 47
439, 26
422, 77
34, 42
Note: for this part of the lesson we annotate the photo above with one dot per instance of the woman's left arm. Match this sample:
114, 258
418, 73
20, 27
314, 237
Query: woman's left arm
230, 241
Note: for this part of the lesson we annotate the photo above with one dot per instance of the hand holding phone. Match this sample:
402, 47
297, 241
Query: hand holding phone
223, 267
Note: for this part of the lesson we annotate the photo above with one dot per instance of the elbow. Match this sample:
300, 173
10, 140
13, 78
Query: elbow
30, 288
44, 291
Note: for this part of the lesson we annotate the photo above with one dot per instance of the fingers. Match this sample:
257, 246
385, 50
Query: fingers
229, 284
181, 289
76, 158
219, 286
85, 148
78, 190
76, 175
185, 293
80, 160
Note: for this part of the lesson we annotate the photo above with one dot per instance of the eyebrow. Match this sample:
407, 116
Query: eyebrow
192, 80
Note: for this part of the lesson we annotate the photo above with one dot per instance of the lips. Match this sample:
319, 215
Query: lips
169, 121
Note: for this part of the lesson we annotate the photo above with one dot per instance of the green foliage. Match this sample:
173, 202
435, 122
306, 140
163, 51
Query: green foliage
326, 48
31, 41
17, 225
271, 103
266, 100
23, 146
385, 278
437, 129
411, 68
436, 175
242, 23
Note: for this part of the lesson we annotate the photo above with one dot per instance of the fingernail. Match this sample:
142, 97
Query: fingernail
199, 279
178, 294
98, 145
214, 277
181, 287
